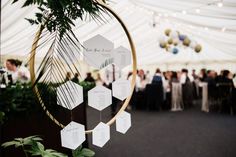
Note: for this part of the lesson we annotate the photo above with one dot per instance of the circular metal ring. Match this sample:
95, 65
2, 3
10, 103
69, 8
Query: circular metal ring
134, 66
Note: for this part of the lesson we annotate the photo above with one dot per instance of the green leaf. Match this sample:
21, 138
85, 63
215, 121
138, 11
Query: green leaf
10, 143
87, 152
40, 146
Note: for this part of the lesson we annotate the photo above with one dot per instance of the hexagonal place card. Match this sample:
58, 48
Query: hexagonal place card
69, 95
101, 134
99, 97
123, 122
121, 89
73, 135
122, 57
98, 51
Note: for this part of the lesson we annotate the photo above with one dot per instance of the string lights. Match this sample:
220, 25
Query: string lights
192, 10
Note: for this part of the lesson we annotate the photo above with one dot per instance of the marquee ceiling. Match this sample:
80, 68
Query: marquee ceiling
202, 20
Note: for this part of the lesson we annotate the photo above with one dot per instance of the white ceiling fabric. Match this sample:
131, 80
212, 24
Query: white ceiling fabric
139, 16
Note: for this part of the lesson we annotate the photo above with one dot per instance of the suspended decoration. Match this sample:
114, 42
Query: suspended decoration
198, 48
175, 50
173, 40
167, 32
99, 52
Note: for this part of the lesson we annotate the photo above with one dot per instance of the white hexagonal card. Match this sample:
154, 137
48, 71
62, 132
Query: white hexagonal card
73, 135
101, 134
99, 97
122, 57
98, 51
69, 95
121, 89
123, 122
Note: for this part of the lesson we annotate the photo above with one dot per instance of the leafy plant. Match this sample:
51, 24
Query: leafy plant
61, 14
22, 142
83, 152
2, 115
32, 146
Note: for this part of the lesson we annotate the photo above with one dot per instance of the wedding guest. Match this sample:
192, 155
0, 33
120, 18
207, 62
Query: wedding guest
202, 74
187, 88
99, 80
76, 78
89, 78
17, 72
68, 76
194, 75
158, 78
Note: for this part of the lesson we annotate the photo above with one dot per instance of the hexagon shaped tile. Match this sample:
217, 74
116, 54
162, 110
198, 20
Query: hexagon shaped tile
99, 97
121, 89
69, 95
73, 135
98, 51
122, 57
101, 134
123, 122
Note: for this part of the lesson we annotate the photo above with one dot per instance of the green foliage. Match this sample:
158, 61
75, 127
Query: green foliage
87, 85
83, 152
17, 142
32, 145
60, 15
16, 99
2, 116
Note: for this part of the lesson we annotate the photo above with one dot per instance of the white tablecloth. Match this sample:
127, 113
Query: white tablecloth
205, 105
177, 100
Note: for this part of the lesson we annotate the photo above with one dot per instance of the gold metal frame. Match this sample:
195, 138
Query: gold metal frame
134, 65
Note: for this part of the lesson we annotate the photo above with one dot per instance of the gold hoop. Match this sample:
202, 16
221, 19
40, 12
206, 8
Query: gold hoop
134, 65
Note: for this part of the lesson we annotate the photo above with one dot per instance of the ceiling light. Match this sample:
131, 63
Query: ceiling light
197, 11
220, 4
184, 12
223, 29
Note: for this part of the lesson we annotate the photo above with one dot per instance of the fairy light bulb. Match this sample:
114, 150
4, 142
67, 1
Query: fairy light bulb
197, 11
220, 4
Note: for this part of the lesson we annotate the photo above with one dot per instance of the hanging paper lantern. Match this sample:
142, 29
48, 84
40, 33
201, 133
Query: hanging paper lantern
176, 41
162, 39
186, 41
182, 37
198, 48
175, 50
173, 34
163, 45
168, 48
193, 44
167, 32
170, 41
